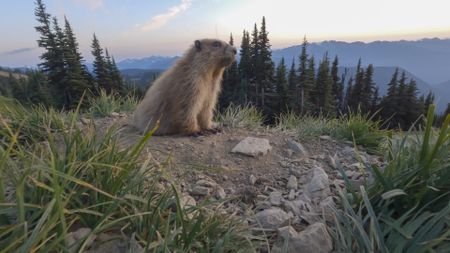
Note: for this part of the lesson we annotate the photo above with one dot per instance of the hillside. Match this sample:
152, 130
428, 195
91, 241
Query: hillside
140, 77
429, 59
152, 62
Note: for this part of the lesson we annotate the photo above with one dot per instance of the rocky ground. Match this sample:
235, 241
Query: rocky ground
283, 187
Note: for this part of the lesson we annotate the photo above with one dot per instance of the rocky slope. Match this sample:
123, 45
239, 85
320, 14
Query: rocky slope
282, 187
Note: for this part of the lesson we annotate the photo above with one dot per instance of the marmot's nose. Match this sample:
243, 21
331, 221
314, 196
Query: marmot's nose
234, 50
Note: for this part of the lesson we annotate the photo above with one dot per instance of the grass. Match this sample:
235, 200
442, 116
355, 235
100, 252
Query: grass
105, 104
361, 129
241, 116
78, 179
407, 207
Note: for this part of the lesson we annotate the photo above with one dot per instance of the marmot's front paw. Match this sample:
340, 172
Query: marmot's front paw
214, 130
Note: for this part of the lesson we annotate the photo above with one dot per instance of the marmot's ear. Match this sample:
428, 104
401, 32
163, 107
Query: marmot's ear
198, 45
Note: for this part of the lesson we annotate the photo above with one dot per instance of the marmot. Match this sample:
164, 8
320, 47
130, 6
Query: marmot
183, 98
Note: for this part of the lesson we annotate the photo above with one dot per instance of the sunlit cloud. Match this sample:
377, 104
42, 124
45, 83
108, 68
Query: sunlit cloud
161, 19
91, 4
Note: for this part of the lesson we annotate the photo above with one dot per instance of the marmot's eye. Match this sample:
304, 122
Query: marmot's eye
216, 44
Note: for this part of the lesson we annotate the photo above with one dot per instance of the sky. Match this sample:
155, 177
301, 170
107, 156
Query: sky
141, 28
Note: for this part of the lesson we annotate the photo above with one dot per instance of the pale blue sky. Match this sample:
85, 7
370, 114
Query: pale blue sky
140, 28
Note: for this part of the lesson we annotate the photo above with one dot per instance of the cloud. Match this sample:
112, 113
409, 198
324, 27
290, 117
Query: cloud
91, 4
19, 51
161, 19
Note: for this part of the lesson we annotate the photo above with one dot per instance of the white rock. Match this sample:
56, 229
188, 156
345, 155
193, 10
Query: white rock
85, 121
275, 198
115, 114
297, 147
292, 183
252, 147
291, 195
271, 218
325, 137
220, 193
314, 238
318, 188
252, 179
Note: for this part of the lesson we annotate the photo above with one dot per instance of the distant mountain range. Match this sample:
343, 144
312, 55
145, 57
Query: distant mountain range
152, 62
427, 61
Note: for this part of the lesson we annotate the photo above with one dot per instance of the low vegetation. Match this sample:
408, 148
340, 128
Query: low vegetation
60, 178
407, 206
57, 178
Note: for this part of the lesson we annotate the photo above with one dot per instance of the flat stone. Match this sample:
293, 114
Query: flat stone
275, 198
251, 146
315, 238
74, 238
325, 137
206, 183
199, 190
297, 147
271, 218
292, 183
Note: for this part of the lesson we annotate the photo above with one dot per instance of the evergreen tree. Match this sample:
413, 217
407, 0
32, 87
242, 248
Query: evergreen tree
100, 67
254, 59
114, 74
245, 63
307, 92
357, 89
322, 93
292, 88
281, 82
399, 118
337, 85
265, 66
348, 95
428, 101
413, 108
304, 85
375, 101
245, 69
367, 90
76, 74
230, 84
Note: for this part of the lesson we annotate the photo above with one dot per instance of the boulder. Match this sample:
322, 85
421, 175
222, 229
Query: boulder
251, 146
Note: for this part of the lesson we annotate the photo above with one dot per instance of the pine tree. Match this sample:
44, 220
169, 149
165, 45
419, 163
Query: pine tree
348, 95
117, 85
367, 90
322, 93
76, 74
357, 90
245, 69
51, 41
304, 87
100, 67
401, 110
245, 63
265, 66
230, 84
375, 101
292, 88
337, 84
281, 82
308, 86
413, 107
428, 101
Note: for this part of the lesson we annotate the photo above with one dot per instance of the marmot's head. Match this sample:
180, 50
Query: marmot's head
216, 52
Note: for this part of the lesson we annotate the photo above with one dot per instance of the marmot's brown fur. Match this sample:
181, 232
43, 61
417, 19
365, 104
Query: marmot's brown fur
183, 98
